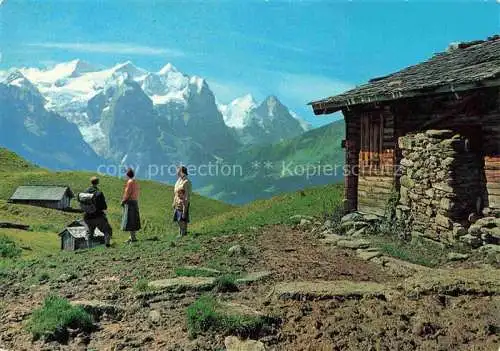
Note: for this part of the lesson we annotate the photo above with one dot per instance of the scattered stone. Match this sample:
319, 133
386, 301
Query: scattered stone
253, 277
309, 290
371, 217
236, 250
488, 222
331, 239
359, 233
327, 225
179, 284
351, 217
154, 317
234, 343
367, 255
471, 240
353, 244
455, 256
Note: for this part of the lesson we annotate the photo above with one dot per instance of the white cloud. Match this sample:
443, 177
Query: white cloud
110, 48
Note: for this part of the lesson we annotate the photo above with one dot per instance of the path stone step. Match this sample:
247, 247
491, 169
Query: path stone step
180, 284
310, 290
480, 281
253, 277
233, 343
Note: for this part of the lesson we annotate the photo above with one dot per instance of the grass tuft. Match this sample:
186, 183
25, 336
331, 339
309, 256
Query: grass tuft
9, 248
226, 283
51, 321
206, 314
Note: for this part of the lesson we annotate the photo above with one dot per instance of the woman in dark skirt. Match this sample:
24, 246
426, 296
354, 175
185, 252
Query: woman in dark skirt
131, 220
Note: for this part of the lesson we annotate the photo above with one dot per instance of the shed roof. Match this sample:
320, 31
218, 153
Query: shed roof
463, 66
41, 193
80, 232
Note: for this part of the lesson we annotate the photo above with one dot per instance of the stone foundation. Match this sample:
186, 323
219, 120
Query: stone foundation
441, 185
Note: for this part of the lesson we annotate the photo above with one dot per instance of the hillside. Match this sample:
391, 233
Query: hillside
155, 204
286, 166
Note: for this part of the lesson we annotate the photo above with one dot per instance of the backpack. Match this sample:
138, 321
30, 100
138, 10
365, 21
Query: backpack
87, 202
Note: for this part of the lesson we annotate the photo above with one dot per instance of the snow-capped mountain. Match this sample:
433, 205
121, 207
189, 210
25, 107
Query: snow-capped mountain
267, 122
44, 137
126, 112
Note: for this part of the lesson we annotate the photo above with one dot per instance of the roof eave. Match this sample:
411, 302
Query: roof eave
325, 106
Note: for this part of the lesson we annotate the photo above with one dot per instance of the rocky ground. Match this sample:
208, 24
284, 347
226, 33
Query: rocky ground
325, 294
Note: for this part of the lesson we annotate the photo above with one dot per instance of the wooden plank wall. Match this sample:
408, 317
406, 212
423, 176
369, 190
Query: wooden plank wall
351, 160
376, 179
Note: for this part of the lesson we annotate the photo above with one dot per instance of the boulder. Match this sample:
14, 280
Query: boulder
304, 222
351, 217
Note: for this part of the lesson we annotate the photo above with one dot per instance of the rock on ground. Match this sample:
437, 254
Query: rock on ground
454, 282
253, 277
183, 283
234, 343
353, 244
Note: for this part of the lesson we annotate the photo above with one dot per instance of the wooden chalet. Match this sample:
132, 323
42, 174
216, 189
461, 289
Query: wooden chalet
411, 121
58, 197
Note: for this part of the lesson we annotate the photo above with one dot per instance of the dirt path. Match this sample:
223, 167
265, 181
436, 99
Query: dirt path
395, 322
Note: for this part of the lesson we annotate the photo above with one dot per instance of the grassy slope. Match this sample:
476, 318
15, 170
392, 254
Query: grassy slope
320, 146
208, 216
154, 204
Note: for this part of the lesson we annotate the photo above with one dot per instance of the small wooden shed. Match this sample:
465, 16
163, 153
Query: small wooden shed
58, 197
74, 237
429, 133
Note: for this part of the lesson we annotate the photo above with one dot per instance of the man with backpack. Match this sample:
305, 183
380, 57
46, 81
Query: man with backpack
93, 204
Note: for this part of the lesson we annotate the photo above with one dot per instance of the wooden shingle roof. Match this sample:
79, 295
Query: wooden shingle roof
41, 193
463, 67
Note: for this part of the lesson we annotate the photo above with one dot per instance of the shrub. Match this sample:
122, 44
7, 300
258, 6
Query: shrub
8, 248
51, 321
142, 285
225, 283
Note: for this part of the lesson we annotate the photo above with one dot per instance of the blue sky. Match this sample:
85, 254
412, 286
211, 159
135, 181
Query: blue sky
297, 50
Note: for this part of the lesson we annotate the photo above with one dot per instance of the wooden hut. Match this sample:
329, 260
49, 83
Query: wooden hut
430, 134
74, 237
58, 197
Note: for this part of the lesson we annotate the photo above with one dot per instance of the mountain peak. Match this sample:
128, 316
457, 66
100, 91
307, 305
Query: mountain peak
129, 68
168, 68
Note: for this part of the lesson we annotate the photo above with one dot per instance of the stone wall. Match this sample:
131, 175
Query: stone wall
441, 185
